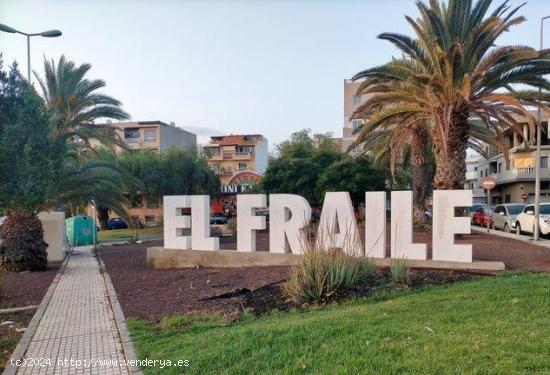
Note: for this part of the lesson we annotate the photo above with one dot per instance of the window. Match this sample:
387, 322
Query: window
356, 99
507, 166
544, 185
150, 221
243, 150
215, 151
544, 161
150, 136
507, 198
481, 173
475, 169
243, 167
499, 167
137, 201
152, 202
131, 135
356, 124
215, 167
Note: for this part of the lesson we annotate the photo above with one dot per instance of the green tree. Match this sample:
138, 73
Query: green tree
29, 175
354, 174
453, 71
77, 105
300, 161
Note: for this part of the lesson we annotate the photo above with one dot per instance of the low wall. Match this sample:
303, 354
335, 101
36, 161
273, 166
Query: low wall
54, 234
161, 258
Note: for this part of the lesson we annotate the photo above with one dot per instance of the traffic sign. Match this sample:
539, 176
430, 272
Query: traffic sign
524, 196
489, 183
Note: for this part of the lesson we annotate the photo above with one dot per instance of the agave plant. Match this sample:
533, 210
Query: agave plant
453, 71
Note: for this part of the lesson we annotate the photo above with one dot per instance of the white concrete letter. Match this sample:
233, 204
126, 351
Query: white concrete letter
200, 224
402, 245
175, 222
375, 224
446, 225
337, 226
247, 222
289, 214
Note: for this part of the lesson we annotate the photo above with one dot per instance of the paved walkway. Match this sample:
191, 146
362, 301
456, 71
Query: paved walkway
78, 324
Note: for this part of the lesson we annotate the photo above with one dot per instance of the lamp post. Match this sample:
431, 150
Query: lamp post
537, 154
45, 34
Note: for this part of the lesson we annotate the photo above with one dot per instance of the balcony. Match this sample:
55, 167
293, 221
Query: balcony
227, 155
472, 175
520, 174
131, 140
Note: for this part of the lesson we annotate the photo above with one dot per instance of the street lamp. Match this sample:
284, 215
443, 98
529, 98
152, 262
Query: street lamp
45, 34
537, 154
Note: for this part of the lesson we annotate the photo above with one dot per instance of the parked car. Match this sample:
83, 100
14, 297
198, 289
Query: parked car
2, 219
473, 209
483, 216
116, 223
505, 215
218, 219
525, 221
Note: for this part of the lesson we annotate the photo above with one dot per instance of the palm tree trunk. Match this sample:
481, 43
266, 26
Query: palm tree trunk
450, 173
103, 216
23, 248
419, 153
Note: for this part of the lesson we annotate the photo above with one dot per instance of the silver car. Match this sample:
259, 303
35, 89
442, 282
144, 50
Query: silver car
505, 215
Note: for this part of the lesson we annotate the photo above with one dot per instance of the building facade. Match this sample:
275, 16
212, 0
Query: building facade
239, 161
158, 137
515, 180
351, 104
154, 135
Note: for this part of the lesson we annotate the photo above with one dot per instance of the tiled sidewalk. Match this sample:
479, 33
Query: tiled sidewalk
78, 325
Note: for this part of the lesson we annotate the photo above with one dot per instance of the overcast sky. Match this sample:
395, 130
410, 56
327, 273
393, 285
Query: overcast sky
219, 67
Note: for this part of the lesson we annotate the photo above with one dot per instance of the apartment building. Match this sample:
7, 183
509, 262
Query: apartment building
515, 181
158, 137
154, 135
352, 101
239, 160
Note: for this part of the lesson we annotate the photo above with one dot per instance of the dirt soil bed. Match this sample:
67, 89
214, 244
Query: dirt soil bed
20, 289
151, 294
11, 329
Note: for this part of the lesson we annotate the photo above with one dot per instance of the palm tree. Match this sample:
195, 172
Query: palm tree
404, 146
453, 72
76, 105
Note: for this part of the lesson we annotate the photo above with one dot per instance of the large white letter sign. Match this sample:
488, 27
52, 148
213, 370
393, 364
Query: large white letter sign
337, 226
247, 222
289, 214
200, 224
445, 225
402, 245
175, 222
375, 224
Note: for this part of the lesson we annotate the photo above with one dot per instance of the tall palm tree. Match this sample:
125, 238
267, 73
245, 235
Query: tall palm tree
76, 104
404, 147
451, 72
76, 107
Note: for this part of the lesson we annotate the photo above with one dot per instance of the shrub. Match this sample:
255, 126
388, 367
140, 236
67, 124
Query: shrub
399, 271
323, 274
23, 247
232, 226
216, 231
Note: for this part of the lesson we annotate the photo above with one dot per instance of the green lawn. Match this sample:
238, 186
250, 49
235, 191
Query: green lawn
126, 234
493, 325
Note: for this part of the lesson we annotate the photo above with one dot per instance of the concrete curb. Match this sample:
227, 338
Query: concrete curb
23, 344
127, 345
524, 238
